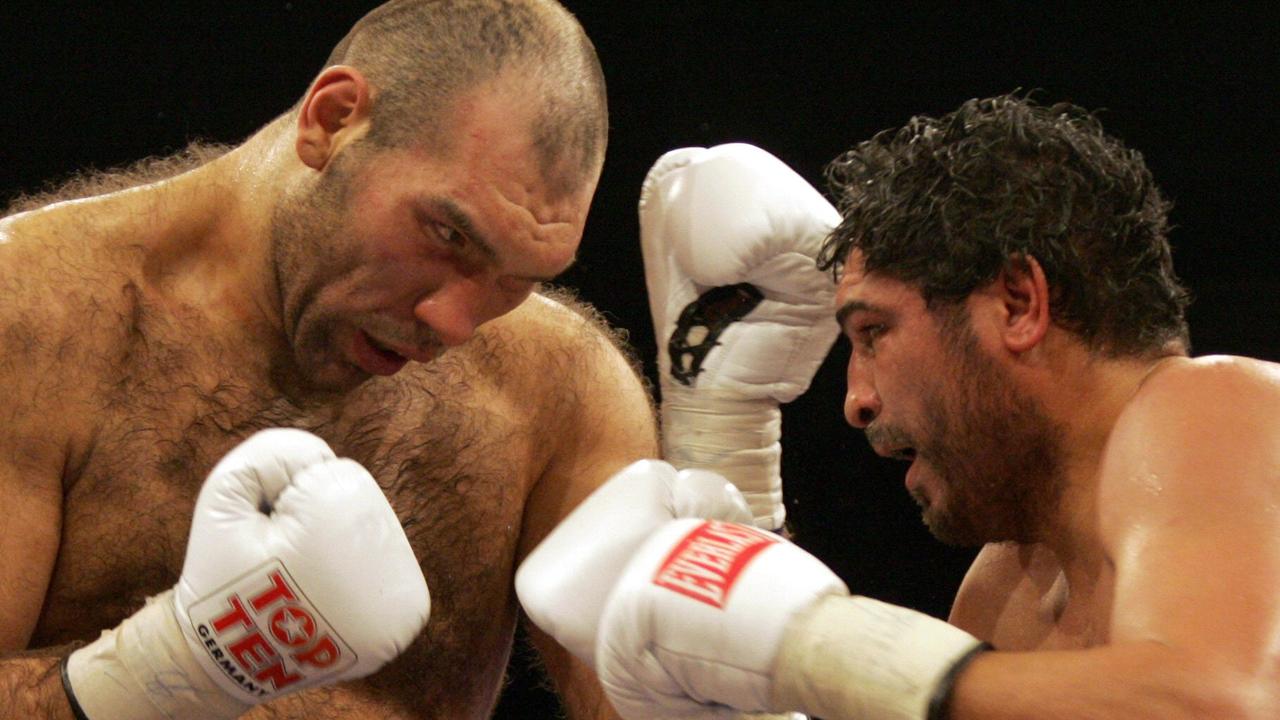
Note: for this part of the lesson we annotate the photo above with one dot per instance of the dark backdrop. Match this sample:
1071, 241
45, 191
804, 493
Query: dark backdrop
97, 84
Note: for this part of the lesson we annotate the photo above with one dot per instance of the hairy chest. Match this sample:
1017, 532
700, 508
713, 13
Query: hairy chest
454, 459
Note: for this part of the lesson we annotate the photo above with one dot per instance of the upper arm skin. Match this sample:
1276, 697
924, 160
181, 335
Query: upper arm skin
31, 465
1192, 513
31, 468
30, 529
610, 424
43, 411
1189, 514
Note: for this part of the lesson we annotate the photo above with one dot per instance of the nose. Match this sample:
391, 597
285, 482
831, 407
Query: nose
454, 309
861, 401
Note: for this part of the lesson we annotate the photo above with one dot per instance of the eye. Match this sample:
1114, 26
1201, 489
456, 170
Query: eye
450, 236
865, 336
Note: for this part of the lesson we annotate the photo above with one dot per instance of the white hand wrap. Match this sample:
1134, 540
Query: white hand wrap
739, 439
144, 670
851, 658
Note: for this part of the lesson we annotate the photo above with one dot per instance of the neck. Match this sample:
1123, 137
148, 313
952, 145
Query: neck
1084, 394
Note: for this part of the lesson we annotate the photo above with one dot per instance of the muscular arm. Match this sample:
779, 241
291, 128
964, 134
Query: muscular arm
30, 527
31, 685
29, 531
1189, 493
610, 425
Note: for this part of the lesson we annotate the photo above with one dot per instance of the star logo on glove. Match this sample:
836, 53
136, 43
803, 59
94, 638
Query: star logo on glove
293, 626
263, 636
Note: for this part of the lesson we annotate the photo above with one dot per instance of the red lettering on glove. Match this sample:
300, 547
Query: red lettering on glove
706, 562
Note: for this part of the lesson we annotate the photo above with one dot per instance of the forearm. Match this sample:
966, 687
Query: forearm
31, 685
1130, 681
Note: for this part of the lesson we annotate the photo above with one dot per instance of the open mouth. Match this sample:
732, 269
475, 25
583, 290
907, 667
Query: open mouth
374, 357
906, 454
387, 353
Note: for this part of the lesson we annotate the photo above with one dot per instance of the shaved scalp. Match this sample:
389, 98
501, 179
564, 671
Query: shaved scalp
420, 55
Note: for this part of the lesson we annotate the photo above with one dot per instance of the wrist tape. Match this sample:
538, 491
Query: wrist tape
737, 438
143, 669
854, 657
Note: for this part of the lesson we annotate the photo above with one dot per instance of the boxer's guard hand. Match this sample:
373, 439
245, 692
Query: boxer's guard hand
564, 582
693, 627
297, 574
711, 618
742, 315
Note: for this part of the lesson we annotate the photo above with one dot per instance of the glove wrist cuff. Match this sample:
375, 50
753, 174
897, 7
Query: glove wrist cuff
858, 657
144, 669
732, 436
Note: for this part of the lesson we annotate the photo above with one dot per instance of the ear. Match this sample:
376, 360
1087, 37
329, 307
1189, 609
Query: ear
334, 112
1023, 292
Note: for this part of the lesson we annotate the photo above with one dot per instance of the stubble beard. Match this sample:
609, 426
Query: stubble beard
305, 251
997, 452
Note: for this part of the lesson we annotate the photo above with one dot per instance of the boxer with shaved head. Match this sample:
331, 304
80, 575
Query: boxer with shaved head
368, 269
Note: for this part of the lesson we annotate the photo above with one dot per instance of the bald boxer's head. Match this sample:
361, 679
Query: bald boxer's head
449, 151
420, 57
944, 204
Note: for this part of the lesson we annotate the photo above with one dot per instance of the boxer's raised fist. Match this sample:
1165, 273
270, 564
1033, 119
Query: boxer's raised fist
743, 317
297, 574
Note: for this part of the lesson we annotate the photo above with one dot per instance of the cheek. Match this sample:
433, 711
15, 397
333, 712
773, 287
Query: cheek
406, 278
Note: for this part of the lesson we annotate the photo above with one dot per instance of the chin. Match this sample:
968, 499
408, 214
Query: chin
950, 529
303, 383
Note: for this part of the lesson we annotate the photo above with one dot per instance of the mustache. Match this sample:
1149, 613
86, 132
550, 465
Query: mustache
880, 435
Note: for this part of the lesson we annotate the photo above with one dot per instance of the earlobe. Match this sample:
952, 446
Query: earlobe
1025, 293
334, 112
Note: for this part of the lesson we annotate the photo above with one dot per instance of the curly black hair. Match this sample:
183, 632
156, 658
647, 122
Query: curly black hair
944, 204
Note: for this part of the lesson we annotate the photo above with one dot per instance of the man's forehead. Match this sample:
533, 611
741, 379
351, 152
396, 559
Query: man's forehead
862, 291
854, 277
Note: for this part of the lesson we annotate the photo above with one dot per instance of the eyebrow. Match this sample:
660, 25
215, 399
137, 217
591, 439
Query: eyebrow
852, 307
461, 221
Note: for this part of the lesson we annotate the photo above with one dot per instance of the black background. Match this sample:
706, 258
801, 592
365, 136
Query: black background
100, 84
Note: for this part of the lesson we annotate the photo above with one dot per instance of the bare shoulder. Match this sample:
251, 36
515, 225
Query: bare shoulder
1213, 399
54, 319
559, 315
1229, 376
1199, 435
564, 342
599, 412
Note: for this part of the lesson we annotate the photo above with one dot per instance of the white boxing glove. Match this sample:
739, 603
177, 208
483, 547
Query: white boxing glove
297, 574
563, 583
711, 618
742, 315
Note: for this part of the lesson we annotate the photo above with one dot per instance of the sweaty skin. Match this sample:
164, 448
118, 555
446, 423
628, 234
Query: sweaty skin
1148, 590
133, 358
